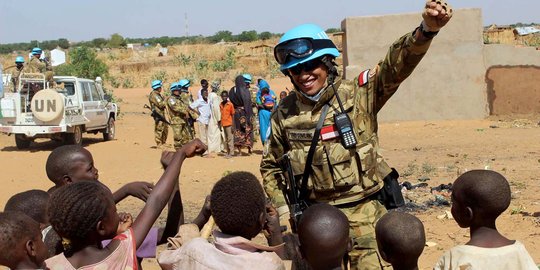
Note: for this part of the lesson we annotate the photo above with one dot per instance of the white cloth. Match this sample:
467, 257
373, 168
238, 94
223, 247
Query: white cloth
228, 253
464, 257
214, 134
204, 110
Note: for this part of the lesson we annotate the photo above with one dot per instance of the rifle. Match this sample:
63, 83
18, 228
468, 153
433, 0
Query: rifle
290, 190
157, 116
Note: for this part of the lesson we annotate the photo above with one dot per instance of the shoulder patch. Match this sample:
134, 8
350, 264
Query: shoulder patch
363, 78
172, 101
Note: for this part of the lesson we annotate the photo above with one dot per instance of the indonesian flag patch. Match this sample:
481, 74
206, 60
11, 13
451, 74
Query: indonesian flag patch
363, 77
329, 132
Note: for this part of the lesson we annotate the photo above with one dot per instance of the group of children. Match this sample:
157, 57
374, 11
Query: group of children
76, 225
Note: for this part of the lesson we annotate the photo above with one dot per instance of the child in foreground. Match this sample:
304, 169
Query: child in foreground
323, 233
84, 214
71, 163
238, 206
400, 239
34, 203
20, 241
479, 197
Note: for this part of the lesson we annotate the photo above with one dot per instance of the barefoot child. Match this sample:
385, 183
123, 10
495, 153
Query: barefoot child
400, 239
323, 233
84, 214
479, 197
20, 242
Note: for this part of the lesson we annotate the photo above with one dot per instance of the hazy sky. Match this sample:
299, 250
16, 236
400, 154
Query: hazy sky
77, 20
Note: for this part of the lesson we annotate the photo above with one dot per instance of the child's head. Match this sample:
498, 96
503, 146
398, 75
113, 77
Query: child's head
238, 204
224, 96
479, 196
400, 239
20, 241
282, 95
323, 232
70, 163
265, 91
34, 203
83, 212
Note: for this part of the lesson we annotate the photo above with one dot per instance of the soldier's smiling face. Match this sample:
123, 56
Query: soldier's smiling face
310, 78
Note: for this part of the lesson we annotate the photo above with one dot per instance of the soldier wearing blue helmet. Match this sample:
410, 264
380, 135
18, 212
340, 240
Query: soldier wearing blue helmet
178, 109
15, 75
40, 64
158, 107
328, 129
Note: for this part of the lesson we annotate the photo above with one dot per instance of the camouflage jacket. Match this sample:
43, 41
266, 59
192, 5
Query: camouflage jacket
157, 102
339, 175
38, 65
178, 110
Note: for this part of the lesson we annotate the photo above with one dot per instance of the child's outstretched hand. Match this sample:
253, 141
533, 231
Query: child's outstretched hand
125, 222
204, 215
139, 190
193, 148
166, 158
271, 225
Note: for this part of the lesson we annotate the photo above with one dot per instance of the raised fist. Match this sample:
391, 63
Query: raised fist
436, 14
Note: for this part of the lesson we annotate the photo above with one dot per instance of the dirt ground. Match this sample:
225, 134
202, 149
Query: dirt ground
435, 151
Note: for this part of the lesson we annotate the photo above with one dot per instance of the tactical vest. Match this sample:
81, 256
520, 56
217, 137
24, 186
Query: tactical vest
156, 102
339, 175
177, 110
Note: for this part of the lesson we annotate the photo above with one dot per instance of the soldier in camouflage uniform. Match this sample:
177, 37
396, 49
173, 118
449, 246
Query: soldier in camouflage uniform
16, 74
344, 177
178, 112
158, 105
37, 64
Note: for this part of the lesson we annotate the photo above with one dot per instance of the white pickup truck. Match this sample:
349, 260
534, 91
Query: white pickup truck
63, 112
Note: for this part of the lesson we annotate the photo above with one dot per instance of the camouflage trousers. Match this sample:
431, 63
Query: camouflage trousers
181, 135
362, 220
161, 131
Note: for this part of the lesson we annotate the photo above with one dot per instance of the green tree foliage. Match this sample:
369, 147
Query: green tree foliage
265, 35
83, 63
63, 43
117, 41
247, 36
226, 36
333, 30
99, 42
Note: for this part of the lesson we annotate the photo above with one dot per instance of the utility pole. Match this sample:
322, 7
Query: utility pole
187, 25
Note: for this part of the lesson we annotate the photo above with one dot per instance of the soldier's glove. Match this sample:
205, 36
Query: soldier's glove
436, 14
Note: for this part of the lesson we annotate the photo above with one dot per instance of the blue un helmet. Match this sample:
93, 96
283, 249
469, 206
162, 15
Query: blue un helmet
19, 60
156, 84
247, 78
174, 86
183, 83
36, 51
301, 44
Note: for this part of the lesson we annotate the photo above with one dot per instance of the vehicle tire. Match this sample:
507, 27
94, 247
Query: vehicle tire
22, 142
75, 137
110, 131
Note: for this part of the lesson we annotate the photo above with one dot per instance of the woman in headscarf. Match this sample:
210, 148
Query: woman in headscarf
266, 101
240, 97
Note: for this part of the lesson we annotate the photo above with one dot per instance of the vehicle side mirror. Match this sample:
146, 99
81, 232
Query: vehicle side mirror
107, 97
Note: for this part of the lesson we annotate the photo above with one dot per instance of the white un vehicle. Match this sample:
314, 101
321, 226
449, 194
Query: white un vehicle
63, 112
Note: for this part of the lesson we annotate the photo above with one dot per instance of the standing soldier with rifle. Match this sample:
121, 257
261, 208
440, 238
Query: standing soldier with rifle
179, 112
328, 129
158, 107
